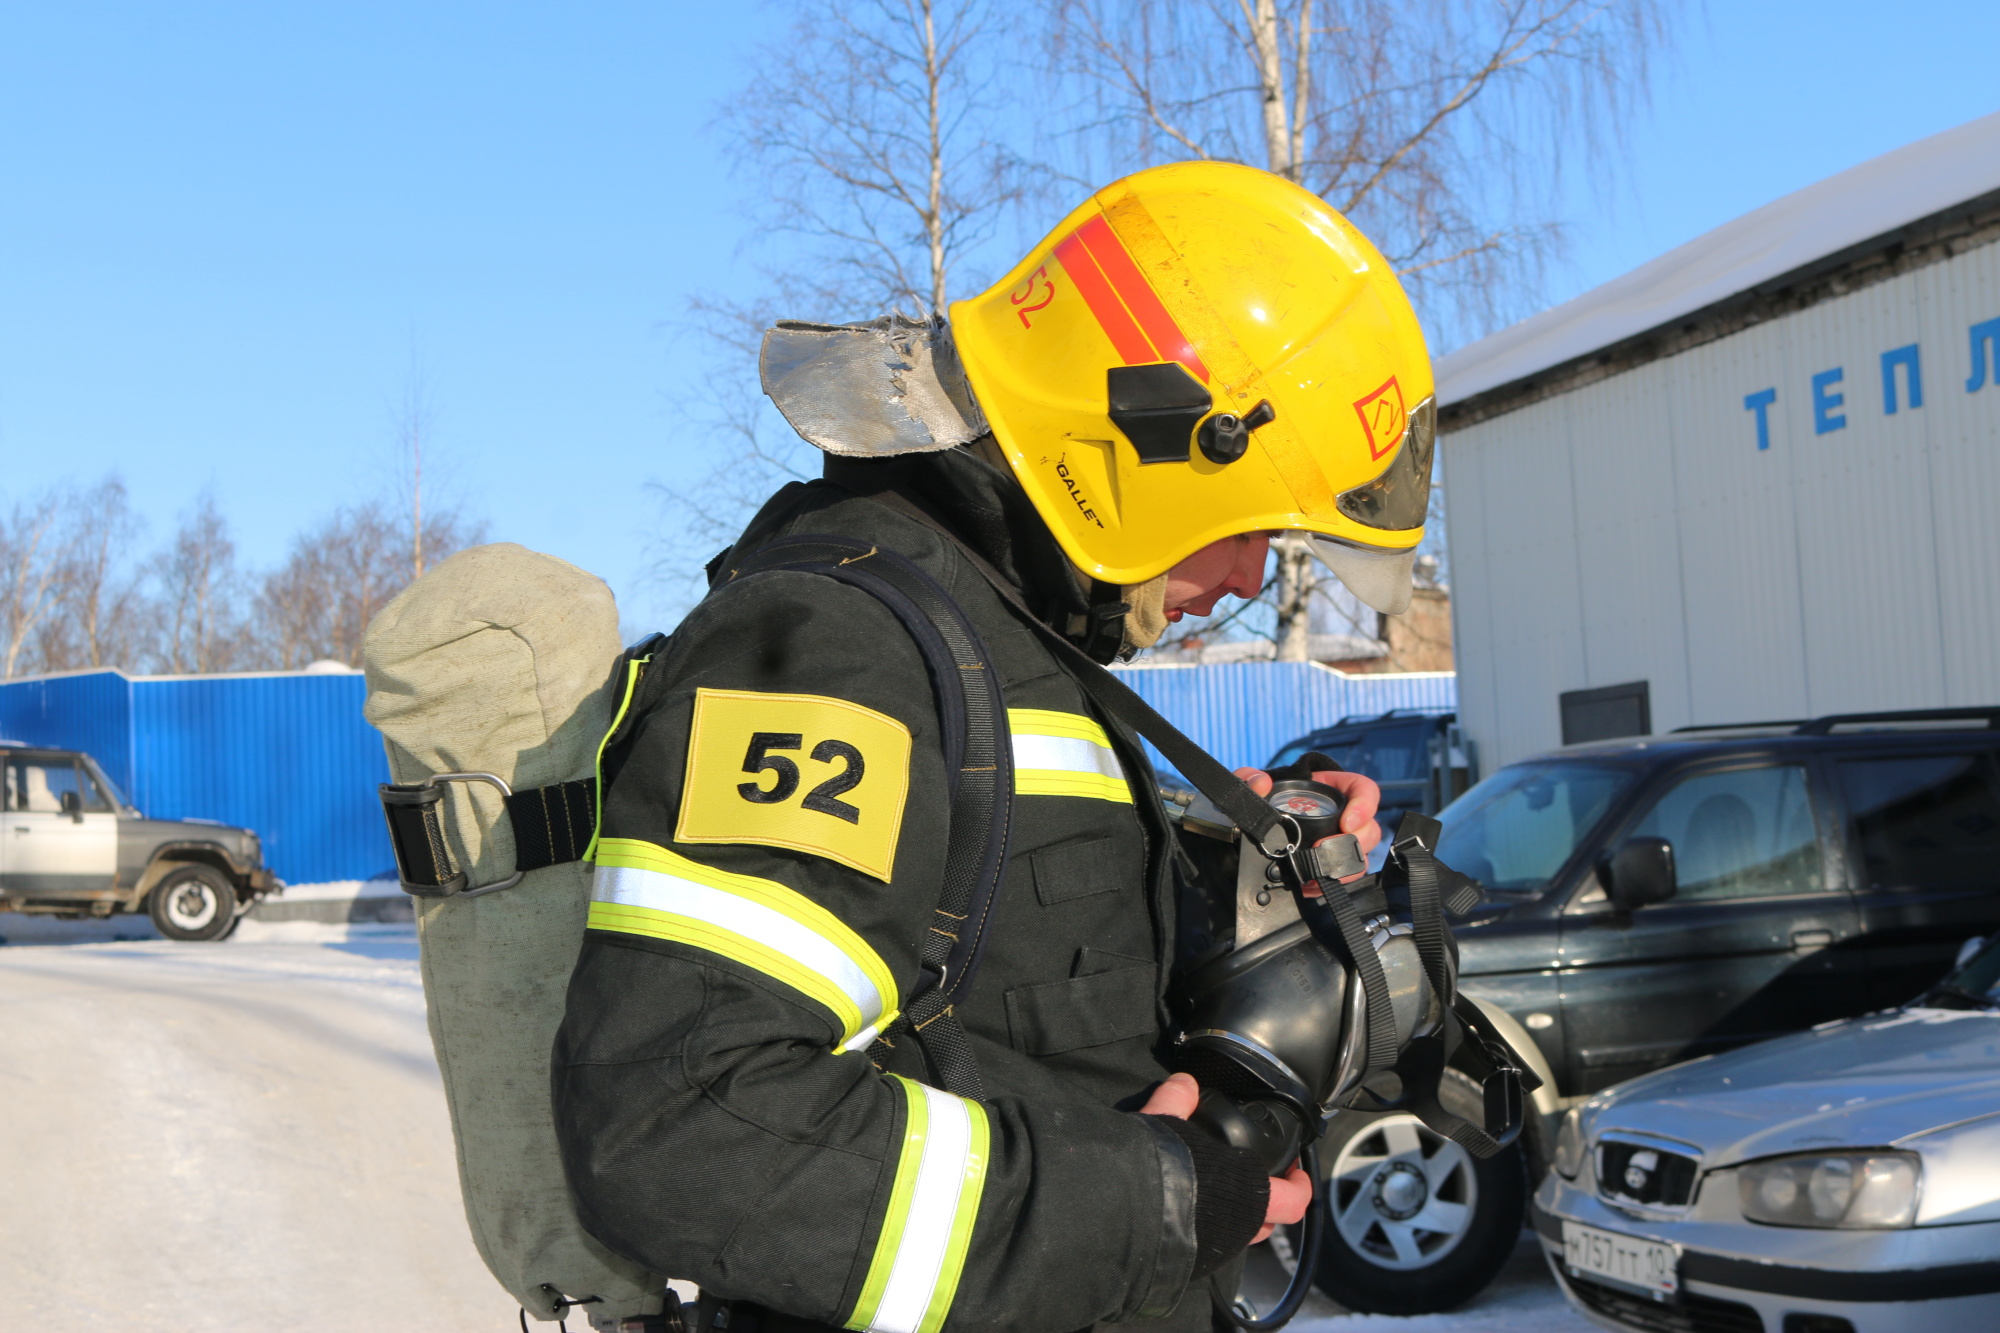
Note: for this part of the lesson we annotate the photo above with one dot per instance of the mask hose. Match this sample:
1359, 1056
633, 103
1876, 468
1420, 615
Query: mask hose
1306, 1252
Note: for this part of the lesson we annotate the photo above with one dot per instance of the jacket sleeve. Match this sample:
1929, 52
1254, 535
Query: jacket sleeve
720, 1116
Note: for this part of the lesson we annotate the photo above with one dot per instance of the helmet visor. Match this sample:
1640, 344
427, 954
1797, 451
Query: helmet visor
1397, 500
1381, 579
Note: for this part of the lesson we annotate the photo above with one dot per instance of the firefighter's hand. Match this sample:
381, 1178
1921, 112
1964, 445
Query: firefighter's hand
1290, 1193
1364, 798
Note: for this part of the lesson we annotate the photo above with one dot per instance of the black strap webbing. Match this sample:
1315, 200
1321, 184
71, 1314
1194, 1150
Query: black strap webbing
1210, 778
552, 825
1332, 916
980, 762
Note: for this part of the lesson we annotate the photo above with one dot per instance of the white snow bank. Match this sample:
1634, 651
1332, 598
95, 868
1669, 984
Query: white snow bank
251, 1136
335, 901
229, 1137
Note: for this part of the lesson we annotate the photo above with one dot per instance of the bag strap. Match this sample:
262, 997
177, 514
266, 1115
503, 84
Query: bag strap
979, 763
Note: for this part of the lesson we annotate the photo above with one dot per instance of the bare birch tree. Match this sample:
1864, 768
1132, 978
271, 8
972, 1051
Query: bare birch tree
416, 421
316, 606
1439, 126
200, 609
32, 554
101, 615
876, 143
870, 135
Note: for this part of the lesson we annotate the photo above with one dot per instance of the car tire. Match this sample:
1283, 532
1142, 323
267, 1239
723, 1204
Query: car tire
1389, 1174
193, 903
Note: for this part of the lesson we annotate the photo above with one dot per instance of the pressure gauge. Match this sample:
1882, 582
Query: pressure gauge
1313, 806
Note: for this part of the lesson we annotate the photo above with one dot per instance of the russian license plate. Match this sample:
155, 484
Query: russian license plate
1645, 1265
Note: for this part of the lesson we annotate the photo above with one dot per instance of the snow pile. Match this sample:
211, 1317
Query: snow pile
229, 1137
250, 1137
1823, 219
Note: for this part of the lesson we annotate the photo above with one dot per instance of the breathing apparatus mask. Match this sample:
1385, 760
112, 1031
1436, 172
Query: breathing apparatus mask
1322, 997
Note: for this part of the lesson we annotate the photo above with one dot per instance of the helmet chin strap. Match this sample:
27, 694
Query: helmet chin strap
1100, 629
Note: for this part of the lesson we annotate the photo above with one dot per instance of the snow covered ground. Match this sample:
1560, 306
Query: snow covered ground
250, 1137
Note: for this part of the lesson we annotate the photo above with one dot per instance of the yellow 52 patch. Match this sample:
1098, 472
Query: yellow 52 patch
801, 771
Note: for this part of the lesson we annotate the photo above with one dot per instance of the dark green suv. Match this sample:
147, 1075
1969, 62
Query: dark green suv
1656, 899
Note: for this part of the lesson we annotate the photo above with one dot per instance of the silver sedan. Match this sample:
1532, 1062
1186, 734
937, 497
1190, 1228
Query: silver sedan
1843, 1180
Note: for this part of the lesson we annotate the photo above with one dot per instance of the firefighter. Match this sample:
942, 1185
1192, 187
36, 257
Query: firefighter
1200, 356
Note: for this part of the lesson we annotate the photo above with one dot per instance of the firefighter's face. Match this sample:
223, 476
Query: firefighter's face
1232, 565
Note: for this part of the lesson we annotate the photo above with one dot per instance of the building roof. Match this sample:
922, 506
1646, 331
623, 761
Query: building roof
1842, 211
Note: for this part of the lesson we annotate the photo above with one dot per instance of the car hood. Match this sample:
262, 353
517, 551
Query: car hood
1859, 1083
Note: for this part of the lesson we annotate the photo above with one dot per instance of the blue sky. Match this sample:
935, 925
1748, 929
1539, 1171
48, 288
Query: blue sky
233, 233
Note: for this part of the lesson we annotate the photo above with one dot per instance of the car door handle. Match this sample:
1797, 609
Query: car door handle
1811, 939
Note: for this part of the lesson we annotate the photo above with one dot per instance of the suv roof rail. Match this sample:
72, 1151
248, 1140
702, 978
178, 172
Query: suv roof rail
1788, 724
1428, 710
1823, 726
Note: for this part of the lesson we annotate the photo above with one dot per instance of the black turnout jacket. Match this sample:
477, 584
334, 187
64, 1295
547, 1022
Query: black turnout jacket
770, 854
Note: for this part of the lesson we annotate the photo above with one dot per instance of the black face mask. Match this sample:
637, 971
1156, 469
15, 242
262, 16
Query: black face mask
1332, 996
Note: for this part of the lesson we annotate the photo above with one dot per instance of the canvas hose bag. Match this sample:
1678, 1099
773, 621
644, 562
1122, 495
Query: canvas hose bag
499, 661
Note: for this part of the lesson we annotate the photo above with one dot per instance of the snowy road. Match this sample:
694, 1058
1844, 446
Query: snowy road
251, 1137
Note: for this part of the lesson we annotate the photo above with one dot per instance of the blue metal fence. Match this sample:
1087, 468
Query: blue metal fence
1242, 712
288, 755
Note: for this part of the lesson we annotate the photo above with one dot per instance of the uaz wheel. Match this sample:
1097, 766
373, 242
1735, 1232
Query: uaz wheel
1418, 1224
193, 903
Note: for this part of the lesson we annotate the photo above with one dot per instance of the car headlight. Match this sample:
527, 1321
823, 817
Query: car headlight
1846, 1190
1569, 1145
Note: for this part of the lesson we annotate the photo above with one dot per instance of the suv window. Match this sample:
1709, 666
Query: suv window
37, 786
1394, 753
1515, 830
1930, 819
1739, 833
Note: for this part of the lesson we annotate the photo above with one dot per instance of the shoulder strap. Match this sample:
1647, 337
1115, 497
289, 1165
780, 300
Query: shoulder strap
1332, 917
1210, 778
978, 759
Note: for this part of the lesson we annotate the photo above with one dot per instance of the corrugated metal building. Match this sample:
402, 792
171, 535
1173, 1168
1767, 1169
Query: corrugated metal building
1242, 712
1758, 477
286, 754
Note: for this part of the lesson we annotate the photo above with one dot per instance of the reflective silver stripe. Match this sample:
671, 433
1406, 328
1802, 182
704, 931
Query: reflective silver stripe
1067, 754
927, 1229
641, 888
1064, 754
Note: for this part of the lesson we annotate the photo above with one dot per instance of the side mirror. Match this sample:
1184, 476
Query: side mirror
1639, 873
72, 805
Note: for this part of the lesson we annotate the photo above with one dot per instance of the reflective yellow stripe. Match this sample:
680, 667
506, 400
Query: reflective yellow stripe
633, 671
920, 1255
1047, 722
1064, 754
641, 888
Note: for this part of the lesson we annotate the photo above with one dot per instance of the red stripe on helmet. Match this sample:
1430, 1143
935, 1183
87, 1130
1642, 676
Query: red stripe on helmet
1097, 293
1168, 341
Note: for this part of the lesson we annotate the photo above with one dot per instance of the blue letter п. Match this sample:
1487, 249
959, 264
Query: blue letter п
1825, 418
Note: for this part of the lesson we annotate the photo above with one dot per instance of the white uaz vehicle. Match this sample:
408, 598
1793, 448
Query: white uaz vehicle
70, 846
1842, 1180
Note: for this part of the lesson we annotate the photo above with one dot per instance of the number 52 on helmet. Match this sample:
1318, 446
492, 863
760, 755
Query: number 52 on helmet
1205, 350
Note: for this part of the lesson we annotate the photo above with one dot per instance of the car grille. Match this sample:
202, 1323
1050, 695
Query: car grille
1662, 1179
1691, 1314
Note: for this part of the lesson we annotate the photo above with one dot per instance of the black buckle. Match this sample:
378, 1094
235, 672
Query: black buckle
423, 858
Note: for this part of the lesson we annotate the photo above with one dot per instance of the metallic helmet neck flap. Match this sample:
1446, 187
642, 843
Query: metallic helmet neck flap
1201, 351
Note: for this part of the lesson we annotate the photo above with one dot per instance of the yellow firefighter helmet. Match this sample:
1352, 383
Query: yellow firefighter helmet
1204, 350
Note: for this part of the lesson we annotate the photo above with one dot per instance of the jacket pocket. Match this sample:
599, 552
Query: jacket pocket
1083, 1011
1075, 869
